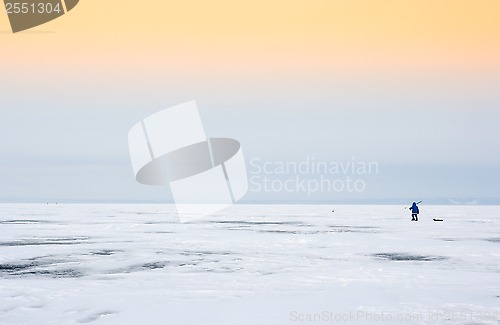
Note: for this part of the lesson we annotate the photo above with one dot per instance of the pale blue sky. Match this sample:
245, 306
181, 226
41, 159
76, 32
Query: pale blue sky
434, 136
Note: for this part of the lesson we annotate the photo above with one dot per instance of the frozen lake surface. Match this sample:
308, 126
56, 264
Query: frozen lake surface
250, 264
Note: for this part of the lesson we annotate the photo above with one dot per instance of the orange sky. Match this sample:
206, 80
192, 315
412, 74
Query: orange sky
402, 82
262, 35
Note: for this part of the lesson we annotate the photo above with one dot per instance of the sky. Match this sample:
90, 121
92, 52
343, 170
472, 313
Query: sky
410, 85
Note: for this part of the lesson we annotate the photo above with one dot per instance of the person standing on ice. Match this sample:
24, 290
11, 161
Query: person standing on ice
414, 212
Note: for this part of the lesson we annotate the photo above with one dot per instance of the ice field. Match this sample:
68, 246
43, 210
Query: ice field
250, 264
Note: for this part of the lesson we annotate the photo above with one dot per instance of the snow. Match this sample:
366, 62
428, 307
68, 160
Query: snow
250, 264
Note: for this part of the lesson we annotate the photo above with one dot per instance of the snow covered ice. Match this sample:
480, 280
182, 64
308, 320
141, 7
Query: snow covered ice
250, 264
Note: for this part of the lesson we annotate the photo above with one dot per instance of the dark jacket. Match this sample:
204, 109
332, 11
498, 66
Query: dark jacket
414, 208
